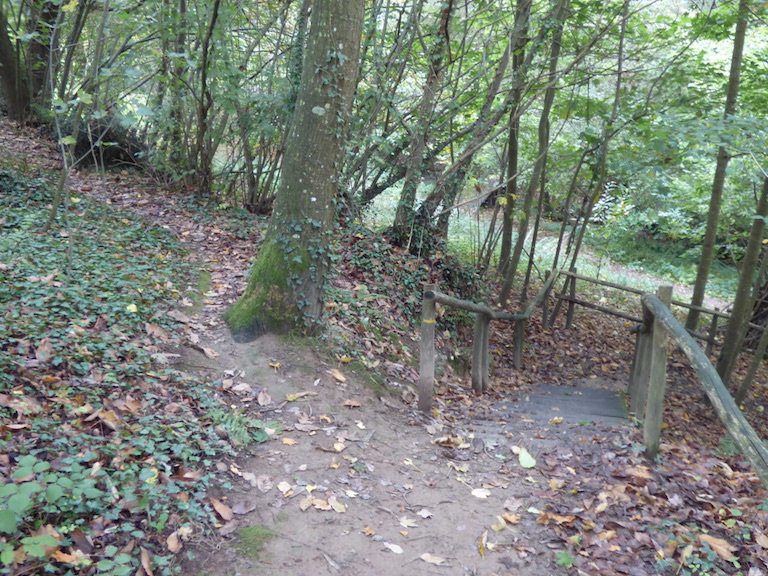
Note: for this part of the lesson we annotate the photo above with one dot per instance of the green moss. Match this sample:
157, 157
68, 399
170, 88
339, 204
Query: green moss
267, 304
198, 298
252, 541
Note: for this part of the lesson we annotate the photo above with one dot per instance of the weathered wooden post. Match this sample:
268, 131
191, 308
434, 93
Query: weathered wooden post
480, 353
519, 343
657, 376
572, 302
712, 335
427, 349
545, 306
638, 378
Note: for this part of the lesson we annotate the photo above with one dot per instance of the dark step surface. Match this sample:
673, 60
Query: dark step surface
574, 405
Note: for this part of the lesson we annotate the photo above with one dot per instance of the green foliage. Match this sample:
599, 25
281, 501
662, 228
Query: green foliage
107, 444
564, 559
252, 541
243, 430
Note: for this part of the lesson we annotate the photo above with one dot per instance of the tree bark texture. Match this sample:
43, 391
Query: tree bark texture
286, 287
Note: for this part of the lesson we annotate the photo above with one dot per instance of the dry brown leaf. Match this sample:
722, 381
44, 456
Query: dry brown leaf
289, 441
338, 376
44, 350
174, 543
157, 331
349, 403
146, 562
244, 507
264, 399
721, 547
222, 509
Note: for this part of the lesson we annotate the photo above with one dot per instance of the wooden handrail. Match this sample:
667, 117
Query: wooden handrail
480, 354
732, 418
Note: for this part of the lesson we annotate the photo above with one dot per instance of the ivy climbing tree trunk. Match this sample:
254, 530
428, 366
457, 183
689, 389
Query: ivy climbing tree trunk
286, 288
718, 182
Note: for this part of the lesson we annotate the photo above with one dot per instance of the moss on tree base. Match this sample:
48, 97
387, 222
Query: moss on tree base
266, 305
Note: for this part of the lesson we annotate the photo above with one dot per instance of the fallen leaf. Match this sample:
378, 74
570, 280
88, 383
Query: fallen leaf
525, 459
406, 522
368, 531
336, 505
222, 509
511, 518
432, 559
338, 376
264, 399
393, 547
351, 403
481, 493
44, 350
721, 547
500, 525
284, 487
173, 543
556, 483
424, 513
244, 507
289, 441
299, 395
146, 562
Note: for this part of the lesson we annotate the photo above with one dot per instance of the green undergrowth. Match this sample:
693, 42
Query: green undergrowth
105, 452
374, 301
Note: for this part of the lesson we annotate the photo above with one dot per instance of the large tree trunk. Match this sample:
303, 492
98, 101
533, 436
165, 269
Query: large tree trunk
286, 288
718, 182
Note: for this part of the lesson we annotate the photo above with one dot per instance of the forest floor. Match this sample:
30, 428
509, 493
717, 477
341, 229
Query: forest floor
354, 480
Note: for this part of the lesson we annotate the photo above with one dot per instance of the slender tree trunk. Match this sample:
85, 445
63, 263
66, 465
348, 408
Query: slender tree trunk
203, 145
520, 33
718, 183
287, 284
12, 80
742, 304
435, 62
541, 159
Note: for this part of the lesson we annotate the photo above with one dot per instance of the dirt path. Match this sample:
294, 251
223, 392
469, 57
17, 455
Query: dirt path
356, 484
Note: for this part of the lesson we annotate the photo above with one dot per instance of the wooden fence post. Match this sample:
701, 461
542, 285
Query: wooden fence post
638, 379
480, 353
657, 376
572, 303
545, 305
712, 335
519, 343
427, 349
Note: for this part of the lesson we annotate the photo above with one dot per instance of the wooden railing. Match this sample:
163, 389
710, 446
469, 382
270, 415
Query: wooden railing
480, 353
647, 381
